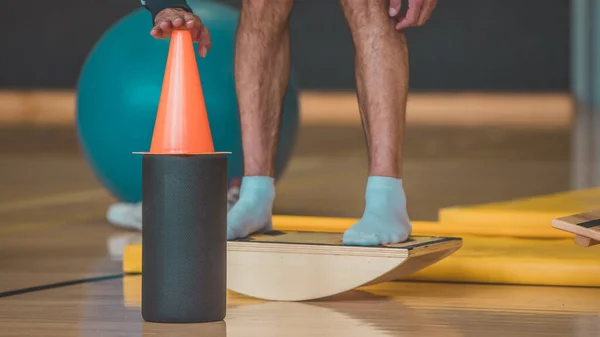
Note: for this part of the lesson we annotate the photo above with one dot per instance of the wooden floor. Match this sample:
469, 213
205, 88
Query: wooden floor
60, 268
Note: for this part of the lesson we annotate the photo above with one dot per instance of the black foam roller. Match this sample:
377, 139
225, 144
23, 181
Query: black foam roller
184, 238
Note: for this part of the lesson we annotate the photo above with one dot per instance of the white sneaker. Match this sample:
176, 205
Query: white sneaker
124, 215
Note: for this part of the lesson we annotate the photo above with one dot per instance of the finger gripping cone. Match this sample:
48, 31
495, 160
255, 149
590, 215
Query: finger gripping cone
182, 125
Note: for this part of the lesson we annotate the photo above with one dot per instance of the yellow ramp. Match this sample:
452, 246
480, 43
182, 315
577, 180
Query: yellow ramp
528, 217
482, 259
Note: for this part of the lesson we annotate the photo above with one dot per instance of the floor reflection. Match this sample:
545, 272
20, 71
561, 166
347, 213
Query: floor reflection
393, 310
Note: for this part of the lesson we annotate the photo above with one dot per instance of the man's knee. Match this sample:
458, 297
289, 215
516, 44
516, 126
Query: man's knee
365, 12
266, 13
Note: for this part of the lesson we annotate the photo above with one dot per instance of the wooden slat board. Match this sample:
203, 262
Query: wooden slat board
586, 227
309, 242
304, 265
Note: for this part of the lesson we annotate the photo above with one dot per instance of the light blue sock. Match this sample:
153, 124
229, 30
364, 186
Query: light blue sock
253, 211
385, 220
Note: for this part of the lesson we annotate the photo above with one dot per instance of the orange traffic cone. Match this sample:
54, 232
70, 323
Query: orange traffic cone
182, 125
184, 193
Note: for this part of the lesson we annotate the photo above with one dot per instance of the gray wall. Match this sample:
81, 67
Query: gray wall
467, 45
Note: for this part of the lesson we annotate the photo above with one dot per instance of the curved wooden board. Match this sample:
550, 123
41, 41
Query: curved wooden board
301, 266
585, 226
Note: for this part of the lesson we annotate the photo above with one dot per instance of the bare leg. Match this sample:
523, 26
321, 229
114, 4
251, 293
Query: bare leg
381, 66
262, 69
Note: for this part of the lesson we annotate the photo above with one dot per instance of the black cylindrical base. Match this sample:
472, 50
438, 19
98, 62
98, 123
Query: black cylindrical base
184, 238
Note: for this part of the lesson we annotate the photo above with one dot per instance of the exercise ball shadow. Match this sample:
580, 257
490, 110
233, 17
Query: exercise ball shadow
119, 90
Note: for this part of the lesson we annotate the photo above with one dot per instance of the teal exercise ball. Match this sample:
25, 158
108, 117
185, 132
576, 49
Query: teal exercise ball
119, 89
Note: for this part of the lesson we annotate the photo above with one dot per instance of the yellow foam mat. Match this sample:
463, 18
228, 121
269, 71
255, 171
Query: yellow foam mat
529, 217
482, 259
526, 261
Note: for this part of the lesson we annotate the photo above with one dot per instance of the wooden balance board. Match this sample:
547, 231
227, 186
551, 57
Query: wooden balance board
302, 265
585, 226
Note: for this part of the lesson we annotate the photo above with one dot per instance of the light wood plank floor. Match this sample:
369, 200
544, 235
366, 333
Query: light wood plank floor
110, 308
60, 275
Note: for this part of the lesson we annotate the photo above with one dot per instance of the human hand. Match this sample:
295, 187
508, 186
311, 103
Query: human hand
171, 19
417, 14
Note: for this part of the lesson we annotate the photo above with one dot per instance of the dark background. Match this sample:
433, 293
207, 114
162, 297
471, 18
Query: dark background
467, 45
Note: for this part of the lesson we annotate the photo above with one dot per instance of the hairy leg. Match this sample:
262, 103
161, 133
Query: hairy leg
381, 66
262, 70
